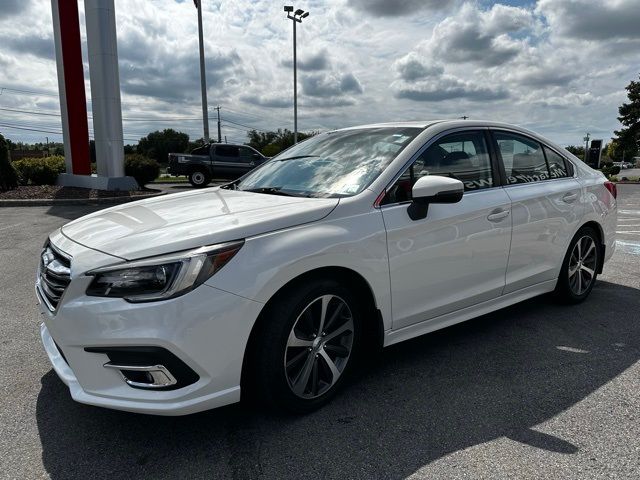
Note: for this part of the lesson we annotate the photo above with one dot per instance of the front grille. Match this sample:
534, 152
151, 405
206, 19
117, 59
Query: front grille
54, 275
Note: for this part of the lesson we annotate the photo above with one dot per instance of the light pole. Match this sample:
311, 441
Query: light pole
203, 75
296, 17
586, 147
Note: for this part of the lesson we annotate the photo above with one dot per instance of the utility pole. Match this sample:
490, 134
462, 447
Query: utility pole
296, 18
219, 132
203, 74
295, 88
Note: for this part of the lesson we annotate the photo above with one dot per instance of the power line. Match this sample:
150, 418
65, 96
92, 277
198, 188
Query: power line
243, 125
28, 92
259, 117
49, 129
15, 127
29, 112
56, 114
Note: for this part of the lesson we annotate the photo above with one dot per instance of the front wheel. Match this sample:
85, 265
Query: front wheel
579, 269
199, 179
307, 346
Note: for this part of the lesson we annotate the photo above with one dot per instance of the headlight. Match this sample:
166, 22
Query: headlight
160, 278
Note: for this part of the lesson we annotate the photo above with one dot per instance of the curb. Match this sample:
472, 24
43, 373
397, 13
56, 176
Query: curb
47, 202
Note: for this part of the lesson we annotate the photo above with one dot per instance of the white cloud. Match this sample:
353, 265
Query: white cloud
589, 20
559, 66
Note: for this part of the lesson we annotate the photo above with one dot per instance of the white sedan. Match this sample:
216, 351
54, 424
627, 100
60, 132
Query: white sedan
278, 284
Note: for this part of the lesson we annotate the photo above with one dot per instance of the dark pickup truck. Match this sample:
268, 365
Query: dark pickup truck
214, 160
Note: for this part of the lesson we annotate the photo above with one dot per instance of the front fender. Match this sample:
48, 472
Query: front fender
268, 262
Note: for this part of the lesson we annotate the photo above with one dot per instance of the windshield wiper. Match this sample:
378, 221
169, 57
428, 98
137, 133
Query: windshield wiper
296, 157
270, 191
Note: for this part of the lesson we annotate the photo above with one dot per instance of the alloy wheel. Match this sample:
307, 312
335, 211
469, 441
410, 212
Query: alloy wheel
319, 346
582, 265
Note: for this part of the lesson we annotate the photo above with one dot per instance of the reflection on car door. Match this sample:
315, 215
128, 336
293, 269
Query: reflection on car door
456, 256
545, 208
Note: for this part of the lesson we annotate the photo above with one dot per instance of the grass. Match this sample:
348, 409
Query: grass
180, 179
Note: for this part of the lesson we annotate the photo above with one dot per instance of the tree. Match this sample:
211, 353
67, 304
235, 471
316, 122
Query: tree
577, 151
195, 144
272, 143
628, 137
8, 176
159, 144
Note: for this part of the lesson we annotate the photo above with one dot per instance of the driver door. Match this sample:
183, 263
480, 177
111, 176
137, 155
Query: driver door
457, 256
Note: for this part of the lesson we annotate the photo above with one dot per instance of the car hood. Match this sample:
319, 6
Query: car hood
191, 219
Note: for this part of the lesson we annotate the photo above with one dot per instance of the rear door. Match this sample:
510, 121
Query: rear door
248, 159
545, 208
227, 162
457, 256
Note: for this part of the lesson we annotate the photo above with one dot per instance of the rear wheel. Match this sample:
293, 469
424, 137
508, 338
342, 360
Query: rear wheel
579, 269
199, 178
306, 346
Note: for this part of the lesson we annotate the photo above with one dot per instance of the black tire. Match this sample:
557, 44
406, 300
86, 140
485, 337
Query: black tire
566, 289
270, 380
199, 178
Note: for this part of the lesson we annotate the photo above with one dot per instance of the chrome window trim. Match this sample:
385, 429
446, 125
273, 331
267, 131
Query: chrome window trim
511, 185
431, 141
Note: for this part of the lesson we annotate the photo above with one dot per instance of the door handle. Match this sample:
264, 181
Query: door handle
570, 197
498, 215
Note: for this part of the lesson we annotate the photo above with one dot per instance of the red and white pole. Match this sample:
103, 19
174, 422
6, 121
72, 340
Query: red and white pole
73, 101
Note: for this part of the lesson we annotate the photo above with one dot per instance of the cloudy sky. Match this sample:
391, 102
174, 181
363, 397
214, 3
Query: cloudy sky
558, 67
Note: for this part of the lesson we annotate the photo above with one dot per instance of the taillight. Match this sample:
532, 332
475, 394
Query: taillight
613, 190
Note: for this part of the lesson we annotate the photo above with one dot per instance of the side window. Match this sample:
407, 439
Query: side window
227, 153
557, 166
246, 155
522, 157
463, 156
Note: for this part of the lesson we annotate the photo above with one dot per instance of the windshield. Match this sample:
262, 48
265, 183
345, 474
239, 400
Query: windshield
334, 164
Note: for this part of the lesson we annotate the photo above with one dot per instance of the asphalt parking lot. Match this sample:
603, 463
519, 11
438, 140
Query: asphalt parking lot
536, 390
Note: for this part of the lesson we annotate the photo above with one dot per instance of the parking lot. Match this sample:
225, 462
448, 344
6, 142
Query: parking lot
537, 390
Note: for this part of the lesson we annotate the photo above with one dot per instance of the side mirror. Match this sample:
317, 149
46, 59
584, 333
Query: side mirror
433, 189
256, 156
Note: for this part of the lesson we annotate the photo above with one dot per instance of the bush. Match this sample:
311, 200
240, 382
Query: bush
271, 150
39, 171
8, 175
142, 168
609, 169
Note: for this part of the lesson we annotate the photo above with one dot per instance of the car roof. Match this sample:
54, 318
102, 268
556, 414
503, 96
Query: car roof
229, 144
449, 123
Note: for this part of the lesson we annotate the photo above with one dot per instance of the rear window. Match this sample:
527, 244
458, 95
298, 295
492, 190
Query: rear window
227, 151
557, 165
522, 157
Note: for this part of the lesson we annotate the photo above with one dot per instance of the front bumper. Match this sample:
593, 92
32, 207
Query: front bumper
207, 329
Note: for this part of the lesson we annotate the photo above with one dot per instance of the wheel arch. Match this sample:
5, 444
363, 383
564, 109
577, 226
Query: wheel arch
198, 168
373, 332
600, 232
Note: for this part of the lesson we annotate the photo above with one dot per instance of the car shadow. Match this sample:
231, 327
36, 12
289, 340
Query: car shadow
500, 375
